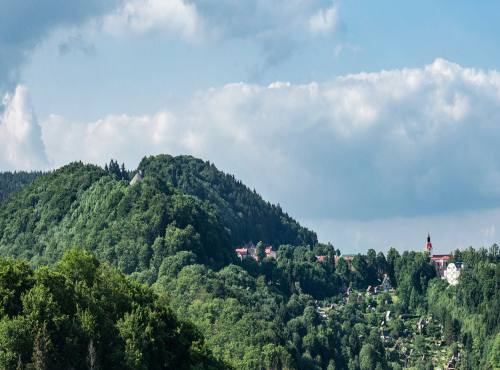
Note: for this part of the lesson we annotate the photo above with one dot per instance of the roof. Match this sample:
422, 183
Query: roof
136, 178
249, 245
320, 258
269, 249
241, 251
440, 257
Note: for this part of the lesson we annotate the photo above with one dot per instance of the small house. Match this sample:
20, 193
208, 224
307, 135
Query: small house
270, 252
384, 335
422, 324
386, 284
388, 316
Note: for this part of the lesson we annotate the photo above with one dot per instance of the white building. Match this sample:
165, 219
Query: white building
454, 270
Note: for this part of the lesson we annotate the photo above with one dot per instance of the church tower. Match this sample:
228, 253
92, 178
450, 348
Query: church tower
428, 246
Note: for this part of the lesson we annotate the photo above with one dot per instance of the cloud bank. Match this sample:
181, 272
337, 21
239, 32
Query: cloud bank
21, 146
395, 143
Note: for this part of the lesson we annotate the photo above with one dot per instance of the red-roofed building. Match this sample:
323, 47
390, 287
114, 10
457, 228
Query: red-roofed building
247, 251
439, 261
242, 253
270, 252
321, 258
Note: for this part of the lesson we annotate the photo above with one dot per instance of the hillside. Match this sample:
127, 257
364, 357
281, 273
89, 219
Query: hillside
292, 312
132, 227
242, 210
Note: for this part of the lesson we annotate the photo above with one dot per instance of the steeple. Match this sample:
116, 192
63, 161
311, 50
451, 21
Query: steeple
428, 246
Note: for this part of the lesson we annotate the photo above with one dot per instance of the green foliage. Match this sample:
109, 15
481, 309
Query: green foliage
243, 211
85, 312
134, 227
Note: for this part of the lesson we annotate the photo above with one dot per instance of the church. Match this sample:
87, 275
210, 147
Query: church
439, 261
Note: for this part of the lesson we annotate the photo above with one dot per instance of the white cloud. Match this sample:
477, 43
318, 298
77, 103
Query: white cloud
325, 21
145, 17
394, 143
21, 146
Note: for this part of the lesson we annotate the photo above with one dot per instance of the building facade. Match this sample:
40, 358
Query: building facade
454, 270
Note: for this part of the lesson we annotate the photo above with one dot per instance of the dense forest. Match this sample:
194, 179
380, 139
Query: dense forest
10, 182
243, 211
84, 314
95, 271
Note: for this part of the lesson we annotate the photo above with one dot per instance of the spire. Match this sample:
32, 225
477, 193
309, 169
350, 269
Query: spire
428, 246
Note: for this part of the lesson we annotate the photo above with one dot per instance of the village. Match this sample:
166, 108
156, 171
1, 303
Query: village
407, 337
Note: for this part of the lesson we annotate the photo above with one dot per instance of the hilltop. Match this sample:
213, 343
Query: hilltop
132, 227
242, 210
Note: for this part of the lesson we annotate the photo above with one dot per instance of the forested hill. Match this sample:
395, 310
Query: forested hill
242, 210
11, 182
133, 227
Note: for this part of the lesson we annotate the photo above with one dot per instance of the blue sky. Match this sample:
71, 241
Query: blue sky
370, 122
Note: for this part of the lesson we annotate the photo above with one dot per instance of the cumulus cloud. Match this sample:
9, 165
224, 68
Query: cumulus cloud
325, 21
146, 17
279, 27
394, 143
21, 145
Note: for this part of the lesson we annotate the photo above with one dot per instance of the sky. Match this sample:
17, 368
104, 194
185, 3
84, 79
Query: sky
371, 123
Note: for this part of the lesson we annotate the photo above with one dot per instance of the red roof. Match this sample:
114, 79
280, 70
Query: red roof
321, 258
242, 251
269, 249
440, 257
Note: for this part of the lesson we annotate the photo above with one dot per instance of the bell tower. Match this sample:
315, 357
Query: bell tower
428, 246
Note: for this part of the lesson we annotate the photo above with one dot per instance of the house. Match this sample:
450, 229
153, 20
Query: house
422, 324
388, 316
454, 270
270, 252
137, 177
386, 284
360, 297
384, 335
242, 253
347, 257
321, 258
247, 251
369, 290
